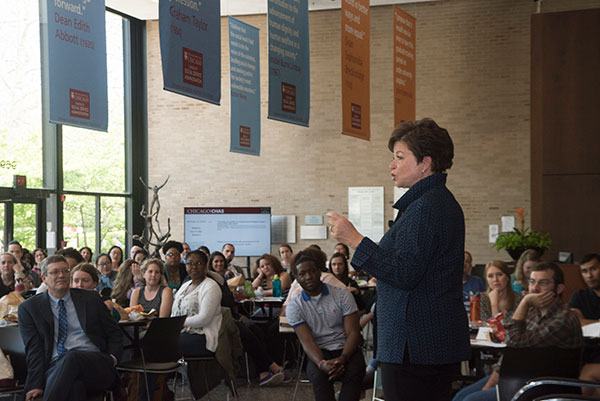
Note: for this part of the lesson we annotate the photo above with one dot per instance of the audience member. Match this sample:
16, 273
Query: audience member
7, 283
140, 256
520, 278
124, 283
229, 252
286, 254
175, 271
541, 320
205, 250
267, 267
23, 268
338, 266
85, 277
87, 254
200, 300
154, 294
186, 250
39, 254
27, 258
472, 285
116, 256
331, 340
499, 297
79, 354
107, 274
586, 304
72, 256
219, 264
134, 249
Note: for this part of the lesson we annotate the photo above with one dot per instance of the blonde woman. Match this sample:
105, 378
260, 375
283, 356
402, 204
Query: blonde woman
499, 296
520, 279
154, 294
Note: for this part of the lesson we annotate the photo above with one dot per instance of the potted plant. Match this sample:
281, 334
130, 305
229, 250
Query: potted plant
519, 240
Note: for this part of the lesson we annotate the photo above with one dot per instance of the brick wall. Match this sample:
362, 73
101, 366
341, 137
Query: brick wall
473, 62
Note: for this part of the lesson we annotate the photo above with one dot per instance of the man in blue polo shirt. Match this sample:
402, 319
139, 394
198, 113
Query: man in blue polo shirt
325, 319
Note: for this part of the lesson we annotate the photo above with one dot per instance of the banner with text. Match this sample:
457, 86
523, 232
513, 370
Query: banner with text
289, 61
76, 35
244, 73
404, 66
356, 108
190, 48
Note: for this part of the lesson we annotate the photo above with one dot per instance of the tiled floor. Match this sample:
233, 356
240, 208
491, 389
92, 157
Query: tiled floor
252, 392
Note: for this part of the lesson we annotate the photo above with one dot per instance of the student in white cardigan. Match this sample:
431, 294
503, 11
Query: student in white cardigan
199, 299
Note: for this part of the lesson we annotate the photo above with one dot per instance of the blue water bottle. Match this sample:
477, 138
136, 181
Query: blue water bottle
276, 286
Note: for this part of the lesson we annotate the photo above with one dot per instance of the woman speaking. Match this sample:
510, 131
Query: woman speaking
422, 327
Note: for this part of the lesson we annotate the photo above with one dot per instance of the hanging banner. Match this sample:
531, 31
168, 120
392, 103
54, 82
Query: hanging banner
244, 64
76, 36
289, 61
404, 66
356, 108
190, 48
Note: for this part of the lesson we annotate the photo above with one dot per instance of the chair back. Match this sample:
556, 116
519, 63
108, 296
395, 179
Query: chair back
161, 342
522, 364
12, 345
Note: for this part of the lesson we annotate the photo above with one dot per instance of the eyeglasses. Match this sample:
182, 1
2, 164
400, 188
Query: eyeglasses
197, 264
104, 264
59, 271
171, 255
541, 283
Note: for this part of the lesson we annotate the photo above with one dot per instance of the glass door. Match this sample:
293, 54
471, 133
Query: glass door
20, 221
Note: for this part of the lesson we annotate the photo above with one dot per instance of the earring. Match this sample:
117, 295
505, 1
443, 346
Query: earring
423, 171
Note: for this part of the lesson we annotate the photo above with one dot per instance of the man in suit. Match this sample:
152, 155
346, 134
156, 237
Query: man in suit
71, 342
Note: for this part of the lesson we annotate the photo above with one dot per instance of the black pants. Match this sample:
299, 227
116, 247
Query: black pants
411, 382
76, 373
354, 372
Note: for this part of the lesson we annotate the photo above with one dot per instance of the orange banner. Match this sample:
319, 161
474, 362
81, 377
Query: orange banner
404, 66
356, 108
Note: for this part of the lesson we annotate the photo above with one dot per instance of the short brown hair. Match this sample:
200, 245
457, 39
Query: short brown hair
425, 138
86, 268
558, 276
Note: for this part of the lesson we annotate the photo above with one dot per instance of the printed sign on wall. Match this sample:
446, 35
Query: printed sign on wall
76, 35
404, 66
244, 73
289, 61
190, 48
355, 69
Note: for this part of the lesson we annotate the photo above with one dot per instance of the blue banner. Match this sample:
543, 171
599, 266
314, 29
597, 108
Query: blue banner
245, 87
190, 48
289, 61
76, 35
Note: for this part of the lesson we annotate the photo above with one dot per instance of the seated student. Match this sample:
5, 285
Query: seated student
499, 296
72, 344
228, 251
175, 271
86, 253
220, 265
338, 266
72, 255
286, 254
39, 254
116, 257
85, 276
520, 278
332, 340
124, 284
200, 299
22, 268
267, 266
586, 304
471, 284
153, 294
140, 256
107, 274
9, 278
541, 320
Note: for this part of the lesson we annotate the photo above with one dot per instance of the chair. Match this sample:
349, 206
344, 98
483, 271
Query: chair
522, 364
13, 347
160, 352
202, 360
544, 382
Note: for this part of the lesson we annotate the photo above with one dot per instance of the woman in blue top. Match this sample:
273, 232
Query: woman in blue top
422, 326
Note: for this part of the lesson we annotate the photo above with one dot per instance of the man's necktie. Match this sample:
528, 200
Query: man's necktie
62, 327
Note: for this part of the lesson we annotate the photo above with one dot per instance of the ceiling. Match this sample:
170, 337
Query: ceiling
148, 9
